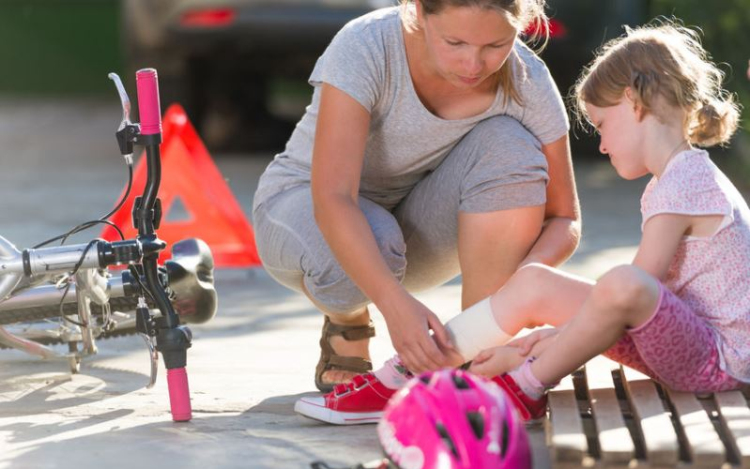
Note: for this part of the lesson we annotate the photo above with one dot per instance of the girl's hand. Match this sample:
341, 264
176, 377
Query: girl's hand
409, 324
492, 361
498, 360
526, 344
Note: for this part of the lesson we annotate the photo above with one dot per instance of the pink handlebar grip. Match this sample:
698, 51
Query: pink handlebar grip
179, 395
147, 84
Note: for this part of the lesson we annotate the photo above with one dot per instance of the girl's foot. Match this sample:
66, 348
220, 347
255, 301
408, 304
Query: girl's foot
529, 408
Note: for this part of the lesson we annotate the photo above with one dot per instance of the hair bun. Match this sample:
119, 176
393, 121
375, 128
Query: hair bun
714, 122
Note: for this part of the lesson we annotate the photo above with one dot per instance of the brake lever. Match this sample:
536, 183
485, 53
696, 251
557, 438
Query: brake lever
127, 131
124, 100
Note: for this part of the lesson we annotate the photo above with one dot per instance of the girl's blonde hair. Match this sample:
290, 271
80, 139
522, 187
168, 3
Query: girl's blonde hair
523, 15
662, 63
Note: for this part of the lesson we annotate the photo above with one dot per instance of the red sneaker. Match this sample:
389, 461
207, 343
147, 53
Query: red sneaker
528, 408
360, 401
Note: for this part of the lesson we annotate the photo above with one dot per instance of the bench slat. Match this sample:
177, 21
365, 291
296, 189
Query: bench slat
615, 441
565, 436
734, 415
660, 438
704, 444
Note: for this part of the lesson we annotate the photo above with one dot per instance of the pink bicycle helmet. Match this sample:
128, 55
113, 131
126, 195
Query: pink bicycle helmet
451, 419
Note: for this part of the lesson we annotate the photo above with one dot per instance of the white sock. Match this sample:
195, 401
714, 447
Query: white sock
526, 380
393, 374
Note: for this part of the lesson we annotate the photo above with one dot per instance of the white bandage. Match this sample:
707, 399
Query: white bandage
475, 330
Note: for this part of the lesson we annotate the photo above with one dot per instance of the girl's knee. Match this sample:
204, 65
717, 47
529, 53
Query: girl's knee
626, 290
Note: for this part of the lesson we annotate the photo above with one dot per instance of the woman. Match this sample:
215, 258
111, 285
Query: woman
435, 145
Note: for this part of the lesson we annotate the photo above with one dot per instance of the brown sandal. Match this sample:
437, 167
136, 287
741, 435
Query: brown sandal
330, 360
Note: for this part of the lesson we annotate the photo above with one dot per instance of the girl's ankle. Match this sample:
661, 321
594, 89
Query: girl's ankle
393, 374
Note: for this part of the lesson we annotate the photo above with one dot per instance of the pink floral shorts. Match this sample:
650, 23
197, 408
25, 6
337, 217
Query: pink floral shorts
676, 348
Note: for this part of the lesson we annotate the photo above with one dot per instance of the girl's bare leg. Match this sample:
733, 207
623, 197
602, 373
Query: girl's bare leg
539, 295
623, 298
535, 295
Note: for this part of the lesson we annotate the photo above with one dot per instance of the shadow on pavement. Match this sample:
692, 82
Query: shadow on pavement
268, 434
49, 387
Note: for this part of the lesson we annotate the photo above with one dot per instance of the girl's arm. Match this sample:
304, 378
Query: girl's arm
562, 227
661, 236
338, 156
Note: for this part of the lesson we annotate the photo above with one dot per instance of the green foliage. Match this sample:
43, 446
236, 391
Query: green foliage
726, 36
58, 47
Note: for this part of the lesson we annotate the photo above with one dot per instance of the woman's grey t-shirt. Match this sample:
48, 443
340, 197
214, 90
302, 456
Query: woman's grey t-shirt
367, 60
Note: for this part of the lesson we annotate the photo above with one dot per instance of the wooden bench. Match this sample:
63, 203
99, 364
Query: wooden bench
611, 416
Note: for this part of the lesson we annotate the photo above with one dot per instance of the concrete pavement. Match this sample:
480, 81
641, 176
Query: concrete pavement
60, 166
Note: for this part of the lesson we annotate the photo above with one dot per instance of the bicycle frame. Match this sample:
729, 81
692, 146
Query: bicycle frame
86, 279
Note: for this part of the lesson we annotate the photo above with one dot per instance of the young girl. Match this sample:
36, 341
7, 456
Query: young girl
681, 312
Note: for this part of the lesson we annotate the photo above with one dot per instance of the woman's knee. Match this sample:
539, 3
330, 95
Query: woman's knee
388, 235
332, 290
500, 130
501, 166
332, 293
392, 249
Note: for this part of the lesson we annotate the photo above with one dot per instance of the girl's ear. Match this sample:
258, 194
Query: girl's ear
629, 95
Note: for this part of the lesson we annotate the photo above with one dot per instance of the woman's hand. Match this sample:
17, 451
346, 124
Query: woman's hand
409, 324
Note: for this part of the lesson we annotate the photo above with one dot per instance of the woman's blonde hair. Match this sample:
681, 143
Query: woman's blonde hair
662, 63
523, 15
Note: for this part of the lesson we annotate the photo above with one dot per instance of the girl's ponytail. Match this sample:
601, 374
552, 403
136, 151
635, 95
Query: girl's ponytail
714, 122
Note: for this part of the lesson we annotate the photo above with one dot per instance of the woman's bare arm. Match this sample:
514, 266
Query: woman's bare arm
562, 228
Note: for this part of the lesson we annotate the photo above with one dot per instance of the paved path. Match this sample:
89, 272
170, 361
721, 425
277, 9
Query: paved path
60, 166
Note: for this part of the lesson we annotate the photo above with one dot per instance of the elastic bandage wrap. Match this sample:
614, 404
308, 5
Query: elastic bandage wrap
475, 329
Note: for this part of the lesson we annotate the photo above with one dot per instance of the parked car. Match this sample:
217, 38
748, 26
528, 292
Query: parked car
221, 59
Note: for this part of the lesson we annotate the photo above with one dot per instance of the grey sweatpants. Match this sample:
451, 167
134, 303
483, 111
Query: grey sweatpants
497, 166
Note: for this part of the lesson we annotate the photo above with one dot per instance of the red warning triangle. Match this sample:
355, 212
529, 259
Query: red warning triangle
193, 185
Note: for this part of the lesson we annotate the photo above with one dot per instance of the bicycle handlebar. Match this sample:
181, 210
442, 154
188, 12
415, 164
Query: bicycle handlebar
148, 101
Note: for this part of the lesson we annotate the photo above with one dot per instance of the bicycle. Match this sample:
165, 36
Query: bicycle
47, 293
